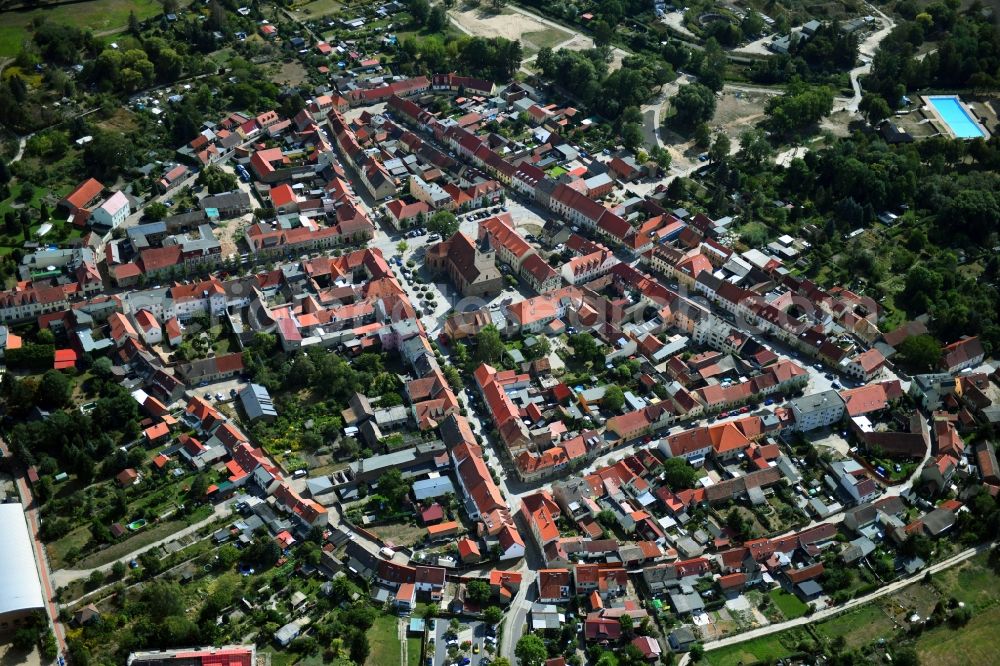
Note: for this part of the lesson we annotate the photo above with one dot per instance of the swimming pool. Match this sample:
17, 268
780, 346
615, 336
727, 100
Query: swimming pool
956, 117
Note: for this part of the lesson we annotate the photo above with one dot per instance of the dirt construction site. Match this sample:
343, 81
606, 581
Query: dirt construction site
534, 32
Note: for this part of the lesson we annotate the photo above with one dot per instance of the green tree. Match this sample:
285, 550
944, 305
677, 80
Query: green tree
443, 222
478, 591
489, 346
661, 156
919, 353
393, 487
118, 570
627, 625
586, 349
719, 152
678, 474
108, 154
631, 136
437, 20
530, 651
493, 614
199, 487
614, 399
602, 33
754, 147
874, 108
419, 10
801, 106
702, 136
216, 180
693, 105
53, 389
156, 211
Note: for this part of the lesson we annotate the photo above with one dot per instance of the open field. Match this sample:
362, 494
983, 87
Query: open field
383, 638
74, 539
858, 627
97, 15
401, 534
763, 649
317, 7
290, 73
975, 644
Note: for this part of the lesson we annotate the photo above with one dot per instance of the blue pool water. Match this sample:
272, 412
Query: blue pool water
956, 117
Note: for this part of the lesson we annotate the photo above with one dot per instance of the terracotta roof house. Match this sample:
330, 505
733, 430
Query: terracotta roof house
963, 353
127, 477
77, 202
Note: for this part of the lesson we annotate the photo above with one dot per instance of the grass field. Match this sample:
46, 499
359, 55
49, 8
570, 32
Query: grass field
536, 40
77, 538
413, 651
765, 648
789, 604
383, 638
97, 15
971, 582
975, 644
858, 627
317, 7
401, 534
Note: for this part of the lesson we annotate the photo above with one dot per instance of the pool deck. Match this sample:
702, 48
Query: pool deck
931, 112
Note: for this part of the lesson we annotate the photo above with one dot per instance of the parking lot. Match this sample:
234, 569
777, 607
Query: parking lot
473, 632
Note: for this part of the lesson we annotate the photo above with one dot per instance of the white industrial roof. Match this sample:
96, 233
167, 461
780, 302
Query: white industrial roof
19, 585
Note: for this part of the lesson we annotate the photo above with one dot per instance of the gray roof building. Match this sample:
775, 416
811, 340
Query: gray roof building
20, 590
257, 403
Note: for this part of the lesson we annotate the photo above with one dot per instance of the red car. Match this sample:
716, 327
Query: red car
744, 410
723, 415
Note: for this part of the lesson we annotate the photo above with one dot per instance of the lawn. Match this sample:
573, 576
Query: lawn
765, 648
383, 639
789, 604
413, 646
536, 40
972, 645
97, 15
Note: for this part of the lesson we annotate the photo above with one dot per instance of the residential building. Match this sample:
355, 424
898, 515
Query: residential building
110, 214
818, 410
